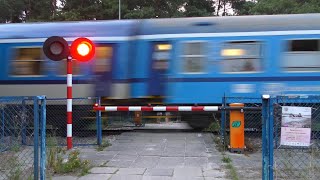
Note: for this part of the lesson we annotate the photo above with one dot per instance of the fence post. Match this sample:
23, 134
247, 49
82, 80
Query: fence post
99, 123
265, 159
43, 158
223, 120
36, 137
3, 123
23, 118
270, 123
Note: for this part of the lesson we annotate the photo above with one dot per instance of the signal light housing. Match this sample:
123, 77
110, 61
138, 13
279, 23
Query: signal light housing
82, 49
56, 48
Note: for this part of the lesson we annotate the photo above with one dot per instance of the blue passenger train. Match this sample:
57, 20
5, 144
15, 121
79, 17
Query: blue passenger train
173, 61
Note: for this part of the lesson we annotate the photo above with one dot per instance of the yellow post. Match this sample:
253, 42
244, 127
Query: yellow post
237, 129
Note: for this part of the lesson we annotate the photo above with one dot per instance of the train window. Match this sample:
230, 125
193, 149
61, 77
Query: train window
194, 54
241, 57
304, 45
161, 55
27, 62
103, 58
308, 50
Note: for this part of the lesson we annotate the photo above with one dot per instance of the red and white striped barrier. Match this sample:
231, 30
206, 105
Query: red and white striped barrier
69, 102
156, 108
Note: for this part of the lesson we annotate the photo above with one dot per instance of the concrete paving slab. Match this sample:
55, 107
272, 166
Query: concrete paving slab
212, 165
215, 178
103, 170
214, 173
196, 153
112, 153
95, 176
64, 178
174, 152
156, 178
131, 171
170, 162
187, 178
125, 177
128, 152
151, 153
125, 157
98, 162
96, 157
119, 163
196, 162
159, 172
187, 172
146, 162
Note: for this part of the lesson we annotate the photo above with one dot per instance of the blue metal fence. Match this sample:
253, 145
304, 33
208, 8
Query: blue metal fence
86, 124
22, 132
294, 154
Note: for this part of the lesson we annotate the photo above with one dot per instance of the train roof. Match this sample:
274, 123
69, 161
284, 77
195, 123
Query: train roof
231, 24
69, 29
109, 28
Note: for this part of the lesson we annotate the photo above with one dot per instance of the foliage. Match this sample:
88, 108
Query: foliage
232, 170
285, 7
16, 11
11, 11
56, 164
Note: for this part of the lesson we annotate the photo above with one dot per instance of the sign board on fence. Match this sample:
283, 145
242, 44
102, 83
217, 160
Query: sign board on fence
295, 126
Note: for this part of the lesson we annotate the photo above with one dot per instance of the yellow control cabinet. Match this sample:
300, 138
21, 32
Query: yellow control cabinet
237, 129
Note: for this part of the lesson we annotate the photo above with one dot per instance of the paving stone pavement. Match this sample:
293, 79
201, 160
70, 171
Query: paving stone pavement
144, 156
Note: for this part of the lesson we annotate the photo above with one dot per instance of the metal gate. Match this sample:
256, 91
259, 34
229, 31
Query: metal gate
22, 126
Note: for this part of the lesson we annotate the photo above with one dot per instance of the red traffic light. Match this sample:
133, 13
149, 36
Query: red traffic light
82, 49
56, 48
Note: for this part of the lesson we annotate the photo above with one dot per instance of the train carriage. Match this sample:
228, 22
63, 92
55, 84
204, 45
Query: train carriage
198, 60
190, 61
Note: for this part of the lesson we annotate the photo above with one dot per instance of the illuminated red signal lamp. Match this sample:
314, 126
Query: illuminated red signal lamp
82, 49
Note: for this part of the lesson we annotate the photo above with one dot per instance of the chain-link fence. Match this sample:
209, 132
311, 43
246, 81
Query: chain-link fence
296, 137
130, 120
84, 121
21, 118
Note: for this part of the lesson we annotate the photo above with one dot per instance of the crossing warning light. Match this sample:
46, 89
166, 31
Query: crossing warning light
82, 49
56, 48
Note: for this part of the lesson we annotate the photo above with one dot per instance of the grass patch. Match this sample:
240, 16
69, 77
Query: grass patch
15, 172
105, 143
231, 169
213, 127
226, 159
57, 164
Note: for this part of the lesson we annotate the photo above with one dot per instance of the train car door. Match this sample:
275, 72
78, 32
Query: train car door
103, 62
160, 56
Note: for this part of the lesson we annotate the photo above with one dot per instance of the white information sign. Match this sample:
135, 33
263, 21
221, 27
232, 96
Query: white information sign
296, 126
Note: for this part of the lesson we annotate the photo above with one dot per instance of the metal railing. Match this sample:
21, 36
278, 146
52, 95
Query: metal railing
22, 133
296, 137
